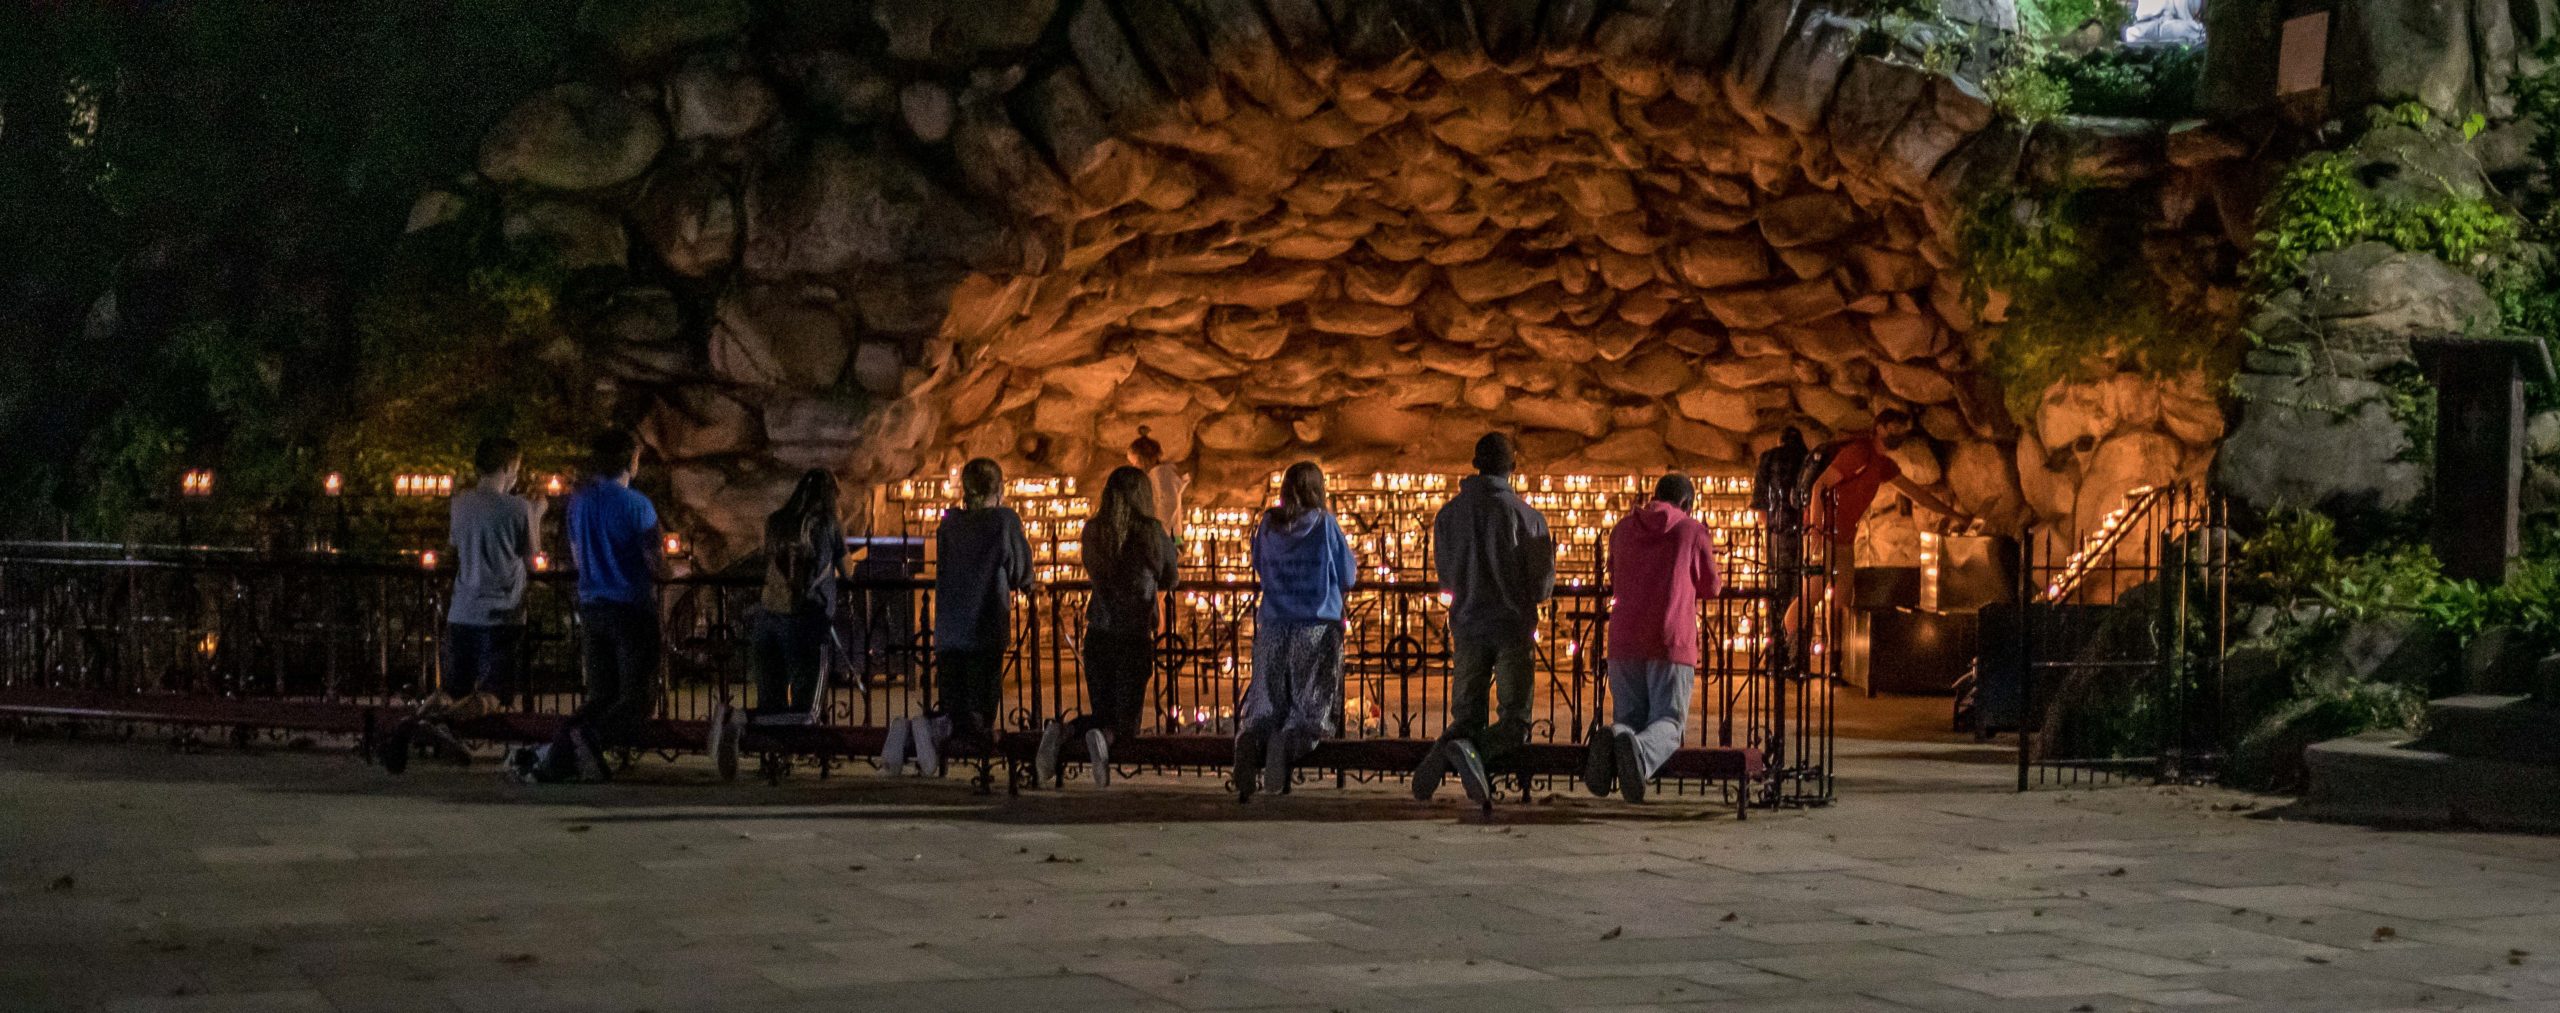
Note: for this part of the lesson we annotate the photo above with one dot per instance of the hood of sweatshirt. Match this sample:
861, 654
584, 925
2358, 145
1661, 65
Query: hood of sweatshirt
1655, 519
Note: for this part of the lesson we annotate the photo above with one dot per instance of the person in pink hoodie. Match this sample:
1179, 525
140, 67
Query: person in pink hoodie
1661, 561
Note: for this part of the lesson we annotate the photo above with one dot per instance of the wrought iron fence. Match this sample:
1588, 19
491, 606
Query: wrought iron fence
205, 625
2117, 653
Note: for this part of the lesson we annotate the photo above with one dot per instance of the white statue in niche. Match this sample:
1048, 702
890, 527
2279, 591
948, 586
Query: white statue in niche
2166, 23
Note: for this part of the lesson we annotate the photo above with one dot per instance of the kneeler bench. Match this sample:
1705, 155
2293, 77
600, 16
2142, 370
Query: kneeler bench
1743, 768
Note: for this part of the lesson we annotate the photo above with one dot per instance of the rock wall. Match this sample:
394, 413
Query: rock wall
879, 238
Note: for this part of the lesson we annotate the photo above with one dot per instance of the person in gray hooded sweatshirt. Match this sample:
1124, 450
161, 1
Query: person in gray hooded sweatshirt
1497, 564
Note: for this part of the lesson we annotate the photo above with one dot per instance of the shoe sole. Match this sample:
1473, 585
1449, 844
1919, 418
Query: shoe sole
1044, 764
1600, 768
1473, 777
1427, 776
1631, 782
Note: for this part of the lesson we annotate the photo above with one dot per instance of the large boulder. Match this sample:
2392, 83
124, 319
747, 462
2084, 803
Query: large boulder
711, 99
573, 236
644, 31
690, 216
2322, 443
2360, 306
838, 207
960, 32
572, 137
775, 336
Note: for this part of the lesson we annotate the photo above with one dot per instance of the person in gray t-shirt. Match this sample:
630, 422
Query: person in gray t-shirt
494, 541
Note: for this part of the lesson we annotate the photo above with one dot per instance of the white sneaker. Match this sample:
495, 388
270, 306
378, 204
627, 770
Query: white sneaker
893, 751
927, 738
1097, 747
723, 744
1044, 764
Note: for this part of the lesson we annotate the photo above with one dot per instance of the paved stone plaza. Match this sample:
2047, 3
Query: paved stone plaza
134, 879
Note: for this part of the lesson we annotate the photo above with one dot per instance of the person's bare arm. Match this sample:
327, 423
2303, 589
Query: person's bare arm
1921, 497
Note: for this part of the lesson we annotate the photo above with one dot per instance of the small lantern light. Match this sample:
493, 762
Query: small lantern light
333, 484
427, 560
196, 482
541, 562
401, 484
674, 544
444, 485
554, 486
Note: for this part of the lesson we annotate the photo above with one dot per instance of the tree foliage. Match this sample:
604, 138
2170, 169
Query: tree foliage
200, 197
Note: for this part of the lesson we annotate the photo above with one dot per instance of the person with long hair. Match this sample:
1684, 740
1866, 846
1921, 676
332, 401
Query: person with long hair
1305, 566
984, 560
1163, 479
1130, 559
803, 558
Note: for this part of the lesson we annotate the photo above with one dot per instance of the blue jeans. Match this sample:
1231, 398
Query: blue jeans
480, 659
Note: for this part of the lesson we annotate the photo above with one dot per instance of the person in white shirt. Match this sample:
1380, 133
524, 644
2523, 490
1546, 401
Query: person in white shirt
1163, 479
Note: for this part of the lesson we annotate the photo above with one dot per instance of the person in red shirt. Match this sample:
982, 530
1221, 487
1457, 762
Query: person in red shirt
1661, 561
1859, 468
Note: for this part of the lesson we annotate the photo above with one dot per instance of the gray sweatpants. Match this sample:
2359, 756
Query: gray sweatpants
1651, 699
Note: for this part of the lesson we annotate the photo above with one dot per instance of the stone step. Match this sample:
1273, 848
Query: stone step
2382, 777
2510, 728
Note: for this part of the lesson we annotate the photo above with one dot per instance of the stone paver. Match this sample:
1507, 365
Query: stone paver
133, 879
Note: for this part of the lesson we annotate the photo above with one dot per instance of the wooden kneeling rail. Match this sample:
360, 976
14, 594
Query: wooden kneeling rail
1743, 768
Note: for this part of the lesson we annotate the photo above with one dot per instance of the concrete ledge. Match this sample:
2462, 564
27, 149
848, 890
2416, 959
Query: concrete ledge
2382, 778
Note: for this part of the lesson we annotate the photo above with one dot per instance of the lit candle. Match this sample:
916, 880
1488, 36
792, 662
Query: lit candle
427, 559
333, 484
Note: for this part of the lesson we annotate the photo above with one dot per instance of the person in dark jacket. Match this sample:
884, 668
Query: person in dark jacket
982, 559
804, 558
1497, 564
1130, 559
1661, 561
1305, 566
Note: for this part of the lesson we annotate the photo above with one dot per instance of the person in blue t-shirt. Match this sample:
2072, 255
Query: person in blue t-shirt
1305, 566
614, 540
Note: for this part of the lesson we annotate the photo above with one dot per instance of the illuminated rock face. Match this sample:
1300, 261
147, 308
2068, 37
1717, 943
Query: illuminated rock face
1355, 231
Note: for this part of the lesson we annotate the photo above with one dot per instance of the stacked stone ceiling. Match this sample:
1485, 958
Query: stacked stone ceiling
1362, 231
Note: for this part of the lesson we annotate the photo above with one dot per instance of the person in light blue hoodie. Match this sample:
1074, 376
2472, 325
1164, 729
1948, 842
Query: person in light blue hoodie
1305, 566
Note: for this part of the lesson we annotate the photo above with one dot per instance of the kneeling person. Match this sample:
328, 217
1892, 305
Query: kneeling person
1661, 561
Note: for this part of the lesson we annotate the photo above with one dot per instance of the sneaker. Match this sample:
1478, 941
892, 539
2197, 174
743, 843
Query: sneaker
589, 755
474, 707
1600, 763
1097, 749
440, 738
393, 750
1630, 765
723, 744
926, 736
1249, 747
893, 749
1434, 767
1469, 766
520, 763
1044, 764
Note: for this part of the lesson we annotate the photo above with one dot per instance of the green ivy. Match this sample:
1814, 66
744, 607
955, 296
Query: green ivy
2319, 206
2081, 293
2155, 82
